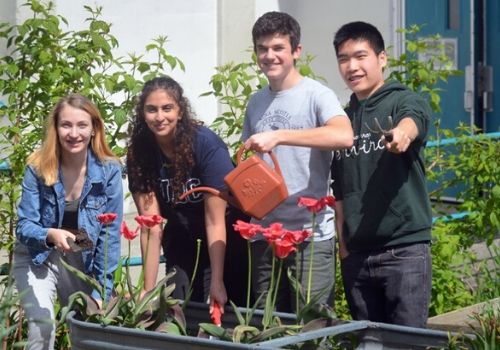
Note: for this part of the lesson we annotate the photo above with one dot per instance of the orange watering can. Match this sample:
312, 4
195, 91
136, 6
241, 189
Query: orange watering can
253, 186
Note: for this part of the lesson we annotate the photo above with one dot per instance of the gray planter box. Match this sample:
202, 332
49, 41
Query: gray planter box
360, 335
92, 336
369, 335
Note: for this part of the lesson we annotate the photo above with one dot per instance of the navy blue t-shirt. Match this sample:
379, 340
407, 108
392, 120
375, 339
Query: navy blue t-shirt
212, 164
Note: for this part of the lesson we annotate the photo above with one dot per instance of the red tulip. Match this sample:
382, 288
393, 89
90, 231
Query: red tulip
127, 233
298, 237
247, 230
283, 247
329, 200
148, 221
273, 232
216, 314
316, 205
106, 218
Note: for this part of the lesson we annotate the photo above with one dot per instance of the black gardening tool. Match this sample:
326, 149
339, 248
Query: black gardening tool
387, 133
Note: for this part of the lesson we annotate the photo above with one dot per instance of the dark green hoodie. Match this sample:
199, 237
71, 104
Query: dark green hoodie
384, 195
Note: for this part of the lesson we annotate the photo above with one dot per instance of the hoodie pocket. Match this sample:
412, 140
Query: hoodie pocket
371, 217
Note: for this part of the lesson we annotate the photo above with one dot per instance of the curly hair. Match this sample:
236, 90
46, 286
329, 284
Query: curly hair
143, 151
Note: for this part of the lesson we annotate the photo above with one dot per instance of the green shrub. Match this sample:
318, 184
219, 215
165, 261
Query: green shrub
471, 166
44, 62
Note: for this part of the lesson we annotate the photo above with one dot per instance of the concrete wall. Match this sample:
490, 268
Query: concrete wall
189, 25
208, 33
7, 15
319, 19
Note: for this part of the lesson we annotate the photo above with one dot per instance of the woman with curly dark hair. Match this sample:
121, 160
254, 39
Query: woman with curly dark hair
169, 153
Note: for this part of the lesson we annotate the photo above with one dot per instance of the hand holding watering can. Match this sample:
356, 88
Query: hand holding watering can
253, 186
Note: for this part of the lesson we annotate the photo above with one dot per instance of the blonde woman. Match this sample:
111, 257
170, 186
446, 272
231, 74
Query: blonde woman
70, 180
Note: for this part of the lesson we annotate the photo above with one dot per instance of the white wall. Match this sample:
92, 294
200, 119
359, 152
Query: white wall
7, 15
208, 33
319, 19
189, 25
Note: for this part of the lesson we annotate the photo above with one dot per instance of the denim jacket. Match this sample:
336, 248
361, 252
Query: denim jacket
42, 207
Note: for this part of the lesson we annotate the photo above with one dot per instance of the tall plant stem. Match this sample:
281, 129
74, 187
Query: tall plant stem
135, 296
249, 281
105, 278
269, 307
193, 276
276, 289
144, 261
311, 259
297, 283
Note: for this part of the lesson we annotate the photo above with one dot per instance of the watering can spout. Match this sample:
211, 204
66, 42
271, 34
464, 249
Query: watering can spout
215, 192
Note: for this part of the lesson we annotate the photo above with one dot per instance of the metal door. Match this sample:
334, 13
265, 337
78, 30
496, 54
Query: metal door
473, 97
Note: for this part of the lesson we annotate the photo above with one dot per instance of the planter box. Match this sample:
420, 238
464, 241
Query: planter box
92, 336
370, 335
362, 335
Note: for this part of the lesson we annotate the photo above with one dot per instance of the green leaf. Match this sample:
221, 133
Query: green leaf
306, 70
22, 86
100, 42
241, 332
170, 328
215, 331
274, 332
237, 312
411, 46
495, 191
494, 220
120, 116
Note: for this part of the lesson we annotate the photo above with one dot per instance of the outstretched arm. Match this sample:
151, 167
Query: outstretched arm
215, 209
402, 136
335, 134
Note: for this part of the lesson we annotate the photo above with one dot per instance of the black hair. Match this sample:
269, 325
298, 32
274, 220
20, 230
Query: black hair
359, 31
276, 23
143, 151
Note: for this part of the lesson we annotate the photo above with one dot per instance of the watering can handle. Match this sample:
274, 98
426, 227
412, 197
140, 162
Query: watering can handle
271, 154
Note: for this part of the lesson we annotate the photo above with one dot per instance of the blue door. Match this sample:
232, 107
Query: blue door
474, 97
492, 48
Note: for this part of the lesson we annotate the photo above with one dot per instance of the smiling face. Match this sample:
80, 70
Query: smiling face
74, 130
276, 58
161, 113
360, 67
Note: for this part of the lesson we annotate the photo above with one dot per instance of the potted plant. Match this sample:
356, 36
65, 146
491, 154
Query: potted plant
128, 314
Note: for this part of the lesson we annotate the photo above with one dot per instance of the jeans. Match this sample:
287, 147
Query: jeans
39, 285
323, 273
390, 285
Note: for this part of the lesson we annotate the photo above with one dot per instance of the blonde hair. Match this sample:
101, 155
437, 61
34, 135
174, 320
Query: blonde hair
46, 159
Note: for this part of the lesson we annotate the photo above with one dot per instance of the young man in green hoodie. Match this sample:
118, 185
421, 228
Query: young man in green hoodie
383, 211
